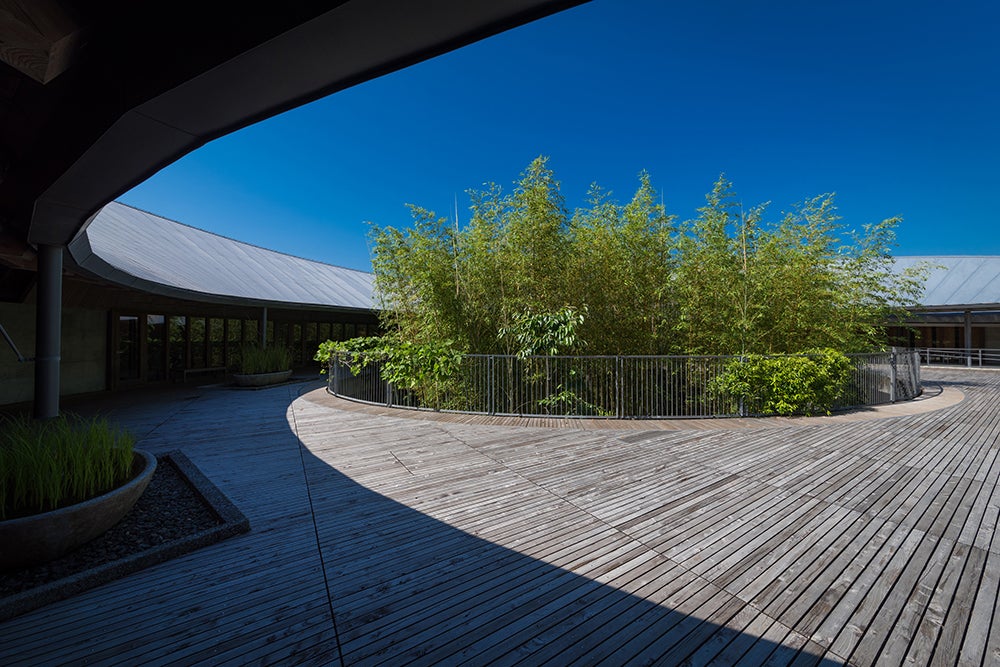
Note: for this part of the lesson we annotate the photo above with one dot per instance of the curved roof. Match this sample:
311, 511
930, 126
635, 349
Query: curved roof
137, 249
958, 280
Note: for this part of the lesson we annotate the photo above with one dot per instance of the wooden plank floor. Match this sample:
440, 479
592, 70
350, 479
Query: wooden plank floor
385, 540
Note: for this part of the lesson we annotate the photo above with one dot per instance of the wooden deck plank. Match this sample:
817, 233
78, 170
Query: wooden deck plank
749, 627
520, 635
455, 597
981, 644
582, 618
474, 540
775, 647
429, 642
567, 642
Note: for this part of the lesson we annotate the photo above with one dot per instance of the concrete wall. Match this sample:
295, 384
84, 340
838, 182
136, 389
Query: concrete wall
84, 352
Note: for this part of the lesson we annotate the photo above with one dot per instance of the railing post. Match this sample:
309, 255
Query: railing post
388, 392
892, 376
743, 407
490, 390
548, 380
618, 387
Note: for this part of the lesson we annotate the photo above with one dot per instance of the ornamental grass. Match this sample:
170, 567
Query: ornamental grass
45, 465
255, 360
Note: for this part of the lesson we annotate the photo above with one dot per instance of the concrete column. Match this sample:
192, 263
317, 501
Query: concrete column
48, 331
263, 328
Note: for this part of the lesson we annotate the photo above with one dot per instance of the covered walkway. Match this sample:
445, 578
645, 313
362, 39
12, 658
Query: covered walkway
386, 539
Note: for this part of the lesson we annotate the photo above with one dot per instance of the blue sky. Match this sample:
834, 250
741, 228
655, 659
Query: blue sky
894, 106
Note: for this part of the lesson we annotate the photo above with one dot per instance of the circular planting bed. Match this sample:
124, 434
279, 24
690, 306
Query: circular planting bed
261, 379
39, 538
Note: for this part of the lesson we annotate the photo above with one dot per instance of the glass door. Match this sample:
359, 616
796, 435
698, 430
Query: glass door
129, 348
156, 351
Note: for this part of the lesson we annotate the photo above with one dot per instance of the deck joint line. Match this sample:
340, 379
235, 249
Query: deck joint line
401, 463
319, 545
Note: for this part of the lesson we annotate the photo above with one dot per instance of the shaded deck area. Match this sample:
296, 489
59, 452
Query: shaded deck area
385, 539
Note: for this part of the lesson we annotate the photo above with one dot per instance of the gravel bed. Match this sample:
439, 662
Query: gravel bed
169, 511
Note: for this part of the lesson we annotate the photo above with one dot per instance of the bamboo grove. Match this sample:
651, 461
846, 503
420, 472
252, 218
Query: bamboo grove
637, 280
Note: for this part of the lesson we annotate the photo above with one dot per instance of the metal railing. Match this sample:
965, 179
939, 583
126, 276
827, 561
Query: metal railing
622, 387
959, 356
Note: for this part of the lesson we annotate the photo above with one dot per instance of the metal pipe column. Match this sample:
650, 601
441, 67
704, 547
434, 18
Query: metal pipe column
48, 331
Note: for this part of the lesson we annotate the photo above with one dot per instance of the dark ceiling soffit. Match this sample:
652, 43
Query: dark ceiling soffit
41, 38
353, 43
84, 260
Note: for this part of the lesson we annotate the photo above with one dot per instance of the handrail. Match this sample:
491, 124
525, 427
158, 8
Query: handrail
967, 356
10, 341
622, 387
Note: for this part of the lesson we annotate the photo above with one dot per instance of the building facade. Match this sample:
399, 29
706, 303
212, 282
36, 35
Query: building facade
148, 300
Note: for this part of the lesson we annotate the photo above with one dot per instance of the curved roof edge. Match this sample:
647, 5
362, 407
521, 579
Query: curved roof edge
140, 250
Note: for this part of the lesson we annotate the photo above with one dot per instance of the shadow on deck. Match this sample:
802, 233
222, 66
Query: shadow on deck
382, 540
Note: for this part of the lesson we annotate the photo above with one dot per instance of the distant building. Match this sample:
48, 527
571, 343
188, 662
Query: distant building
960, 308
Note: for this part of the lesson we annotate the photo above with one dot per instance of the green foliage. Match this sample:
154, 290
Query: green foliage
324, 352
440, 282
425, 367
726, 282
549, 334
743, 286
565, 401
355, 352
431, 370
51, 464
544, 333
256, 360
621, 269
790, 384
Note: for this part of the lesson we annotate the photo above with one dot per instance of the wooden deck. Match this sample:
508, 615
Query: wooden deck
379, 539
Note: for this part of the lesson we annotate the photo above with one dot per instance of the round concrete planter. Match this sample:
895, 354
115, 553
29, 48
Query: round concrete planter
261, 379
43, 537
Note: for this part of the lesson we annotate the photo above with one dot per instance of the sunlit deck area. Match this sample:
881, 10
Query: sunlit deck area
863, 539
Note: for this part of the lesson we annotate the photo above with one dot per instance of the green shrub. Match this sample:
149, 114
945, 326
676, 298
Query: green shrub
255, 360
430, 370
810, 383
356, 352
51, 464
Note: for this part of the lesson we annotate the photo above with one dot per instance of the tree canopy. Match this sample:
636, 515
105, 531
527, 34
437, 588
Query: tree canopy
634, 279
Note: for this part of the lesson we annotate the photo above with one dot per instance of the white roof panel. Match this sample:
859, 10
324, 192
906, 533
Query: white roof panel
143, 250
958, 280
